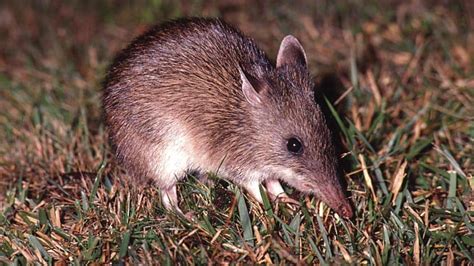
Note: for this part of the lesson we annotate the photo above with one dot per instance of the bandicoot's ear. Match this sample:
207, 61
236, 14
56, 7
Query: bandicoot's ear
252, 87
291, 52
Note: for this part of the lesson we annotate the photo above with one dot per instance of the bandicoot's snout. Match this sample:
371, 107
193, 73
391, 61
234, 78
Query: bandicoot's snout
332, 194
345, 209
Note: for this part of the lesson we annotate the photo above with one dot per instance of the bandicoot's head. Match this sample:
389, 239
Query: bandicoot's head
295, 133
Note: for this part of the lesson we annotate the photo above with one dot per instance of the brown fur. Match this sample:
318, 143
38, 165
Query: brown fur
185, 74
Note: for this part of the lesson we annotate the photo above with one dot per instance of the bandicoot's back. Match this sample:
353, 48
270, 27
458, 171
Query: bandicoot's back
178, 73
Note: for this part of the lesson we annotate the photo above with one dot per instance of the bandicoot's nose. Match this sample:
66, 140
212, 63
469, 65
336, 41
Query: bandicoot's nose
345, 209
331, 193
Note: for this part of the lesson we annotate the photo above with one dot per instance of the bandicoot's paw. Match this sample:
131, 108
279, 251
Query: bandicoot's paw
286, 199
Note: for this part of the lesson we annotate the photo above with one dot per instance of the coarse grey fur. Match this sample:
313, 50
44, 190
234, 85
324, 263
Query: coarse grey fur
196, 94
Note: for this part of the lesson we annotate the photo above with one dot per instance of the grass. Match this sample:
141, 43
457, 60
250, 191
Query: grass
402, 102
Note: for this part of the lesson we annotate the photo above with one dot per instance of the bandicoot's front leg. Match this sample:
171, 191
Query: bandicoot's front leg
253, 188
274, 189
276, 192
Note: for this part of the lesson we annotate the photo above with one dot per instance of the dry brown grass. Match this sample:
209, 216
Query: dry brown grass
404, 91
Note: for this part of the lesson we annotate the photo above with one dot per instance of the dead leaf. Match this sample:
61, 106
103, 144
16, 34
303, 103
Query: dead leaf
397, 181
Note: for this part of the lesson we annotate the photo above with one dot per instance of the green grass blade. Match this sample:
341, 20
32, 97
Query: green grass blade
245, 221
324, 234
452, 189
337, 117
34, 242
315, 249
124, 244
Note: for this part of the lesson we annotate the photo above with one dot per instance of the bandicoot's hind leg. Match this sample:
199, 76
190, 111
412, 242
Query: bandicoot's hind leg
169, 198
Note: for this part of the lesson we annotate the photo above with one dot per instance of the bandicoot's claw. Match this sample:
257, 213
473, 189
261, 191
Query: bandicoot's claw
190, 215
286, 199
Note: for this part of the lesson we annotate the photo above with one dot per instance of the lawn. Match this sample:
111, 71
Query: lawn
398, 80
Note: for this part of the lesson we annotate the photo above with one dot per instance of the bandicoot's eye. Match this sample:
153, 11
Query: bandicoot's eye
294, 146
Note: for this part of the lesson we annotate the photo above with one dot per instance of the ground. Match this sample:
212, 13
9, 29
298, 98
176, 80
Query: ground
399, 83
